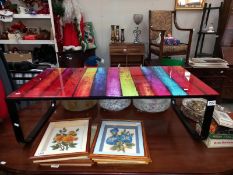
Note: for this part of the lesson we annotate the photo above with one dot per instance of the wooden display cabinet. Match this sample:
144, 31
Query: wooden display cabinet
126, 54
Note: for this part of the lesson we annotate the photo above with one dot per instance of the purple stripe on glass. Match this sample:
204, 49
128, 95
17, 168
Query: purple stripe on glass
113, 83
156, 84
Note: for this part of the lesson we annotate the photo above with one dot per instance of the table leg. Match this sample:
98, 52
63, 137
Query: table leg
208, 117
211, 102
13, 112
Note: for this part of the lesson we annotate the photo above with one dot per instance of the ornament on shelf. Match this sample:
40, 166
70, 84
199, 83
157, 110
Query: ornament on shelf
72, 19
43, 9
29, 2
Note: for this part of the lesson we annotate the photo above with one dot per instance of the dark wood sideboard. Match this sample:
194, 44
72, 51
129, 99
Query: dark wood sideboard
172, 149
221, 79
126, 54
74, 58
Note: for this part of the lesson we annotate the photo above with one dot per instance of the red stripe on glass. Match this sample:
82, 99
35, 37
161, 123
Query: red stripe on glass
72, 83
197, 83
85, 85
39, 89
58, 84
32, 83
183, 80
141, 83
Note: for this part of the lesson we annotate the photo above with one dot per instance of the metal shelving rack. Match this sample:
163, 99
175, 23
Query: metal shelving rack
202, 34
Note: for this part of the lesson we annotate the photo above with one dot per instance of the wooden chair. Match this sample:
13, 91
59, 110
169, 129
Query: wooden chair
160, 23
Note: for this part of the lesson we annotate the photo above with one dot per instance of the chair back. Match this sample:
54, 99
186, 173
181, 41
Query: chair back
160, 20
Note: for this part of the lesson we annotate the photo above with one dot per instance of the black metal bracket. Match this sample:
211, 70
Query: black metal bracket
211, 102
13, 112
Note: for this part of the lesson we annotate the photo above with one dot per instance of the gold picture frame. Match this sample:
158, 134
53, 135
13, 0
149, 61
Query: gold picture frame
189, 4
64, 139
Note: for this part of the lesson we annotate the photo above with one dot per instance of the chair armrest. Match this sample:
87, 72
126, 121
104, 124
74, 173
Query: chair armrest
177, 26
182, 29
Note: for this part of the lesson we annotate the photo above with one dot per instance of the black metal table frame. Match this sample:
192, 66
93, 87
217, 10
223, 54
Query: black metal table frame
13, 112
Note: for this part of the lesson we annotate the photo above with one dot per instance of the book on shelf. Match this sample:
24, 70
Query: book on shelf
120, 142
216, 131
67, 140
219, 136
208, 62
223, 118
218, 143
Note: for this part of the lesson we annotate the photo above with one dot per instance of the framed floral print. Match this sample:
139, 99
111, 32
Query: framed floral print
189, 4
65, 138
118, 139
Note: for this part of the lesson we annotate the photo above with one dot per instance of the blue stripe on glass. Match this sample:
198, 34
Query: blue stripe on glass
99, 84
173, 87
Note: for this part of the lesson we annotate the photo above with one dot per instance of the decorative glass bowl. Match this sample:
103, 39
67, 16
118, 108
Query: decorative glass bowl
152, 105
115, 105
78, 105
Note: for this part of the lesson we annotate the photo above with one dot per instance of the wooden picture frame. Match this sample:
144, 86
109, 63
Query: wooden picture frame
189, 4
62, 139
136, 149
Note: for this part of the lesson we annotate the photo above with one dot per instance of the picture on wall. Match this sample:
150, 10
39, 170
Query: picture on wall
189, 4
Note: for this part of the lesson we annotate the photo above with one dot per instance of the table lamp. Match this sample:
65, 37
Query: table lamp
137, 19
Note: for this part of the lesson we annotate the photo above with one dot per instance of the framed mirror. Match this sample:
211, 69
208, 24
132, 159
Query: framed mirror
189, 4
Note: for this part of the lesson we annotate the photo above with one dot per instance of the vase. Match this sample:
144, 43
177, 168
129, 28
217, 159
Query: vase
113, 33
122, 35
117, 34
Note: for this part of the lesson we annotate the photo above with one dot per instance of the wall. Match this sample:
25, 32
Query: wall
104, 13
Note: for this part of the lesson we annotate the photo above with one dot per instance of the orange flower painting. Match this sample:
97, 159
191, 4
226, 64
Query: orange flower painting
64, 140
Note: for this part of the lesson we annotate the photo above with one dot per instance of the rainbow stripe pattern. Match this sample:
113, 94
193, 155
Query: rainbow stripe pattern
113, 82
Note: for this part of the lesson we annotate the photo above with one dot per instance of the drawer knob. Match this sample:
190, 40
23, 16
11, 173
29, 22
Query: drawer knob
221, 72
124, 50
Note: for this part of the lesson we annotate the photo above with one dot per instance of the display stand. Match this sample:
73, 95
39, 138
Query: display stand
202, 33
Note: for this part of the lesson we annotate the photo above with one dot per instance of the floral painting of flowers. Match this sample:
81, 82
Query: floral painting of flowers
120, 140
64, 137
64, 140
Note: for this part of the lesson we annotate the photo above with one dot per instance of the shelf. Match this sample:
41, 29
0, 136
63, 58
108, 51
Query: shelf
208, 33
29, 16
204, 55
27, 42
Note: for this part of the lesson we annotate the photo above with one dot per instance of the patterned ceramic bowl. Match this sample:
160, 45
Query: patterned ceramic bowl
114, 105
78, 105
152, 105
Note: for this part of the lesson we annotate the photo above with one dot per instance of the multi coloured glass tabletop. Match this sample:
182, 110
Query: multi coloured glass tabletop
113, 82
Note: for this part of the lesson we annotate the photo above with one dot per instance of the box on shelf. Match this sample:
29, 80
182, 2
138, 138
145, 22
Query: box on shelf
223, 119
18, 57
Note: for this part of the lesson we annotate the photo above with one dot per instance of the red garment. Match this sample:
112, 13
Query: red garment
58, 32
70, 38
3, 105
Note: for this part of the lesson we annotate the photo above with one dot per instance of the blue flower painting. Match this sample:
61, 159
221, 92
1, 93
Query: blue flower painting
120, 140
